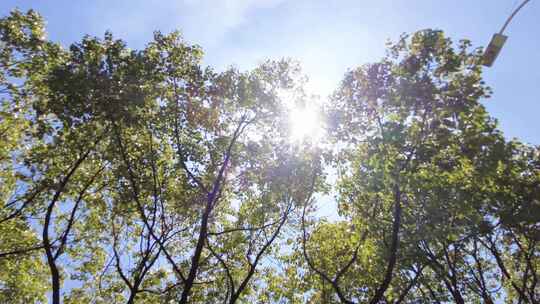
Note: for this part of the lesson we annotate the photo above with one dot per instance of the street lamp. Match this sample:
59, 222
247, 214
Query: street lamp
498, 40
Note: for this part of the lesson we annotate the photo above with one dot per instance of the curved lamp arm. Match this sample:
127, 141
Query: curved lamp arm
498, 40
512, 15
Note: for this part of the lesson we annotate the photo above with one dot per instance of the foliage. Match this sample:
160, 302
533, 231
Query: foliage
140, 176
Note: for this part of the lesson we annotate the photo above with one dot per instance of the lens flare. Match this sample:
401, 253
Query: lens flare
306, 123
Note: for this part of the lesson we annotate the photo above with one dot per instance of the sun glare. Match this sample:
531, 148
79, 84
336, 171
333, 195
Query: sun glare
306, 123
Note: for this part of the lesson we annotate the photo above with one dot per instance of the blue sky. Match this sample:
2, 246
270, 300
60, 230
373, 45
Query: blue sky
327, 37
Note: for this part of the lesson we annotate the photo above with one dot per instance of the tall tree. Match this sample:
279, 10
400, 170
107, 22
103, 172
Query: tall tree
150, 177
140, 176
419, 176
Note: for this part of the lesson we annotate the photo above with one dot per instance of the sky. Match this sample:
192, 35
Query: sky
326, 37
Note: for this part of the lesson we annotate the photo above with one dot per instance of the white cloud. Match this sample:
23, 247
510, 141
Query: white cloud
211, 20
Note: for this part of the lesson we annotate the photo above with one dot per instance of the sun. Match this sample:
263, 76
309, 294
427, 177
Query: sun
306, 123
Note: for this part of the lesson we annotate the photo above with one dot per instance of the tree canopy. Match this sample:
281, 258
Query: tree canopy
141, 176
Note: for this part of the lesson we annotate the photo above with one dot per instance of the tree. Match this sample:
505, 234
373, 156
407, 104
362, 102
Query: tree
23, 275
152, 178
140, 176
419, 178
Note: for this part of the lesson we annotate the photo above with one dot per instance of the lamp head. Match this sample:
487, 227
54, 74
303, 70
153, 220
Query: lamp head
493, 49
